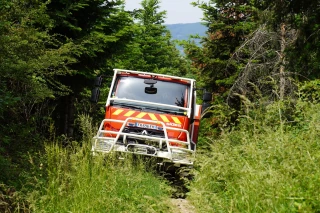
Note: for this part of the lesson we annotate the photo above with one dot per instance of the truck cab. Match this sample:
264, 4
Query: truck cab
150, 114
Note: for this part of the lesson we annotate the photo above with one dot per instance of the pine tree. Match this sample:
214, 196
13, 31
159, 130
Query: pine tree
100, 30
152, 49
305, 54
278, 47
30, 59
229, 23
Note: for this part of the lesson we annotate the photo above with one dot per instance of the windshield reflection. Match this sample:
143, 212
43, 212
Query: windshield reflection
166, 92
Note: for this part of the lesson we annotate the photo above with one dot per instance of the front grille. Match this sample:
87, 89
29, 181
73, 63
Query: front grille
146, 132
131, 140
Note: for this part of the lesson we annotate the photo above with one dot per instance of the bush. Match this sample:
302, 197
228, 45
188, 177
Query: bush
78, 182
263, 166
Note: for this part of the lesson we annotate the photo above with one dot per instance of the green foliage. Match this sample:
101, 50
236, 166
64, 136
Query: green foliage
62, 179
12, 201
261, 158
228, 23
27, 65
266, 164
30, 61
99, 34
237, 56
301, 49
222, 118
305, 54
100, 30
310, 91
151, 49
76, 181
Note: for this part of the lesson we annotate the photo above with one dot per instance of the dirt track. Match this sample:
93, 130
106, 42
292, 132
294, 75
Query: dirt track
182, 206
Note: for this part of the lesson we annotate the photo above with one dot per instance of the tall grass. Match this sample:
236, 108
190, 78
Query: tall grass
265, 165
76, 181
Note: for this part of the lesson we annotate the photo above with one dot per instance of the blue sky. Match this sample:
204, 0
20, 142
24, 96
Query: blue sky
178, 11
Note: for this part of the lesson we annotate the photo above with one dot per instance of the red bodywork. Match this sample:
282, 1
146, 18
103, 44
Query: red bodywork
175, 121
150, 114
169, 120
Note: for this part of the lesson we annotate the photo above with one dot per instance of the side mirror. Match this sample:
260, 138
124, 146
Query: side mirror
204, 111
98, 81
207, 96
95, 93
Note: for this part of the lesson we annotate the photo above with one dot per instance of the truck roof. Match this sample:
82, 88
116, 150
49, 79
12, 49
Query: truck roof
188, 80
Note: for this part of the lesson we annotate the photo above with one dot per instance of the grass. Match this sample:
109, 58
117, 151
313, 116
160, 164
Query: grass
78, 182
72, 180
262, 166
268, 163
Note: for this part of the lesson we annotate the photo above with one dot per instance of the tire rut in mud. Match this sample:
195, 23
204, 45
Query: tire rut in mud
179, 180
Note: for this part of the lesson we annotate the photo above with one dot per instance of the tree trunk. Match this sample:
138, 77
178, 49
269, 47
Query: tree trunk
68, 117
282, 60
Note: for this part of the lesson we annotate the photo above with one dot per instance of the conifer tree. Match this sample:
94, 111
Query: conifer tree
152, 49
229, 23
100, 30
30, 58
278, 47
303, 55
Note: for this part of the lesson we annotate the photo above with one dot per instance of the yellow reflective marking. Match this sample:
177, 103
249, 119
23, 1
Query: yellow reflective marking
152, 116
164, 118
117, 112
141, 115
129, 113
176, 120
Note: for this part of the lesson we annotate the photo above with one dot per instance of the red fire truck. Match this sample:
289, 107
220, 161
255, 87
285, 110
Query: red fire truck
151, 114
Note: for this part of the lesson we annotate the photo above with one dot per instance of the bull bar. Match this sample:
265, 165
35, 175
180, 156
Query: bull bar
170, 153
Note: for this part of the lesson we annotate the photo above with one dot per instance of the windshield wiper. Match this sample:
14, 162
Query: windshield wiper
166, 110
128, 105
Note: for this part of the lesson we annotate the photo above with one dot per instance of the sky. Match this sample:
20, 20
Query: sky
178, 11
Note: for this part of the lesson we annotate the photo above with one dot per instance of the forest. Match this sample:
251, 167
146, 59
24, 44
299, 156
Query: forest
259, 150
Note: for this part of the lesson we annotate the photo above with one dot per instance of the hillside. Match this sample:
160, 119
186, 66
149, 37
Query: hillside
184, 31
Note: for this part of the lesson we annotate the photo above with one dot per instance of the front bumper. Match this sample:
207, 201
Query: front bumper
181, 153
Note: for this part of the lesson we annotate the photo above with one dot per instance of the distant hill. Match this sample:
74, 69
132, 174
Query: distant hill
183, 31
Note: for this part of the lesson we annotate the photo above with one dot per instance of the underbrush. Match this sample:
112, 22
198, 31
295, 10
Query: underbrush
71, 179
266, 164
79, 182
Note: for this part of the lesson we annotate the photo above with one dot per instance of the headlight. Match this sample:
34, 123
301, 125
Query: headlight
181, 155
103, 145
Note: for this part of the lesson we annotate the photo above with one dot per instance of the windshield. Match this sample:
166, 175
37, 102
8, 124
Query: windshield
162, 92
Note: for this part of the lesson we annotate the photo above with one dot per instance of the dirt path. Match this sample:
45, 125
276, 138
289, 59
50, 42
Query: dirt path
182, 206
